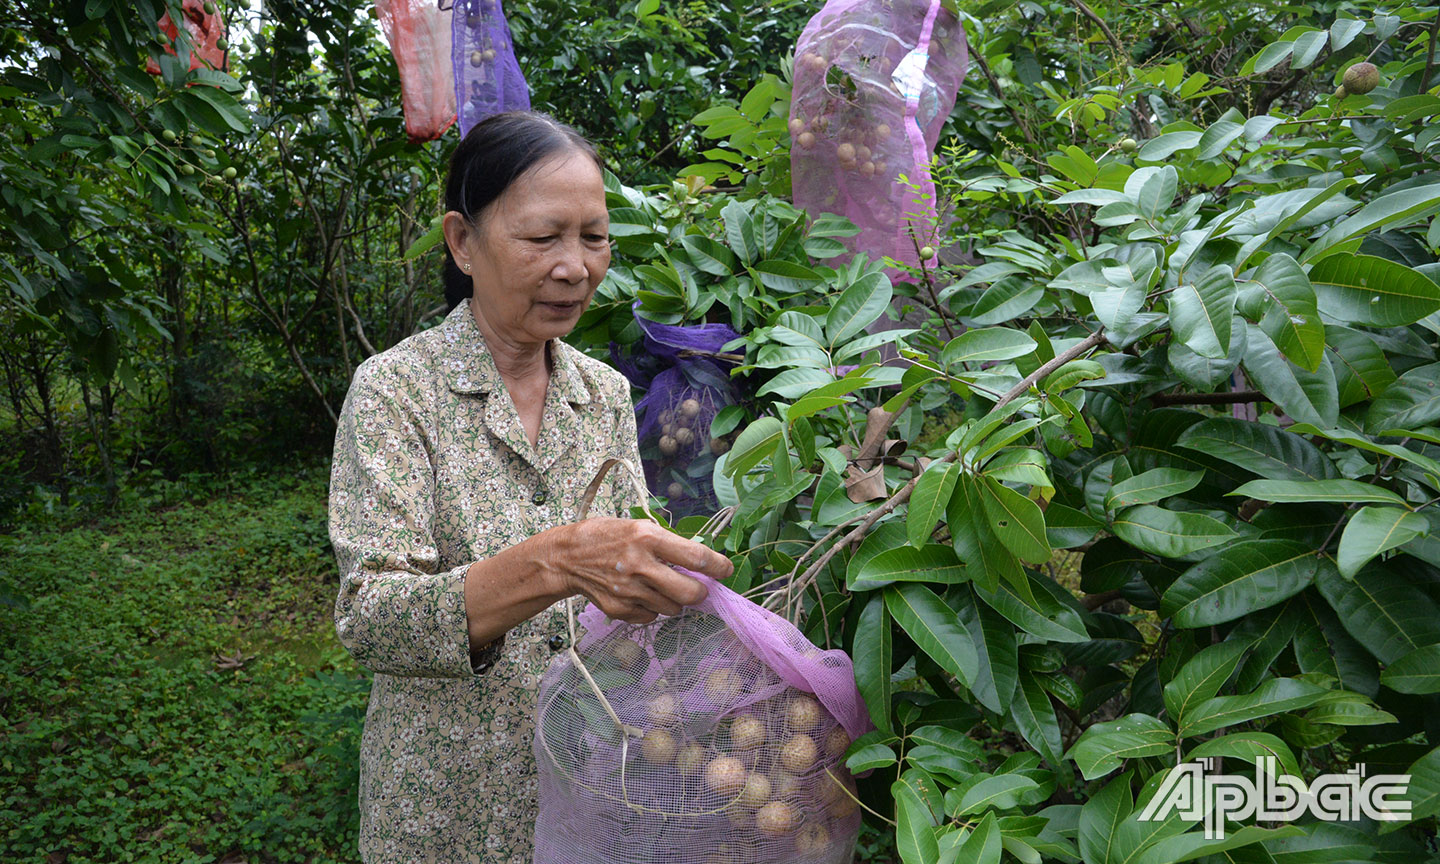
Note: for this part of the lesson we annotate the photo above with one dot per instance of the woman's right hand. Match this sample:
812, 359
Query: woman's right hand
624, 567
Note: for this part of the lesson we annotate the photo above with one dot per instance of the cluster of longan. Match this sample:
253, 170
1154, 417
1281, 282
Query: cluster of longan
859, 141
685, 433
489, 49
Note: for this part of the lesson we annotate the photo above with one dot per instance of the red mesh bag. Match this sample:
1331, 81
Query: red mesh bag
205, 30
874, 82
419, 35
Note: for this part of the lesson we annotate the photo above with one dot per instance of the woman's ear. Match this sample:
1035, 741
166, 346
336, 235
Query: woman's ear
459, 237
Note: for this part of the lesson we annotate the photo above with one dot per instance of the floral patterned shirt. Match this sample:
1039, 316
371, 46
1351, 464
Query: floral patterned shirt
432, 471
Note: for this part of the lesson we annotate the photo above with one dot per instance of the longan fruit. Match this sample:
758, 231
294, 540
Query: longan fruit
674, 490
689, 408
836, 743
845, 152
799, 754
719, 446
813, 839
683, 436
627, 654
725, 775
776, 818
664, 710
668, 445
658, 746
747, 733
803, 713
722, 685
867, 169
755, 792
806, 140
691, 757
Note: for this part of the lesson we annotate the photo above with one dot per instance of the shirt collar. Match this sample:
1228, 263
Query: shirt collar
470, 368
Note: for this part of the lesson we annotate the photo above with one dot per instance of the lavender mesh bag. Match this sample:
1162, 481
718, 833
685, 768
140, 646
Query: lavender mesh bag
874, 82
732, 750
686, 384
487, 75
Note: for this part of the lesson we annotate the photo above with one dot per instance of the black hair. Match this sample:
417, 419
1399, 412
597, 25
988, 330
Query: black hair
493, 155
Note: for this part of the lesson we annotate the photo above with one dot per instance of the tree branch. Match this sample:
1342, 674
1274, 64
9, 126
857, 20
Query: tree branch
995, 88
1094, 340
1237, 397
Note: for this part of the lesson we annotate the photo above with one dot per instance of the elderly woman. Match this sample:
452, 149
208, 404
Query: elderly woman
460, 460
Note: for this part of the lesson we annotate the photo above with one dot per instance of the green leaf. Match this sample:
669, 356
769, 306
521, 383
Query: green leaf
914, 829
1250, 746
933, 562
1100, 818
873, 660
1194, 844
1219, 136
709, 256
994, 791
1424, 791
1035, 719
986, 344
930, 499
858, 307
1039, 614
1409, 403
871, 756
1402, 204
1269, 57
1202, 677
1285, 309
1103, 747
786, 276
1305, 491
1203, 373
1385, 612
1372, 291
1201, 312
1151, 486
934, 628
1362, 371
1309, 397
756, 443
1272, 697
225, 106
1307, 47
1373, 531
1240, 579
1017, 521
984, 843
994, 640
1168, 533
1265, 450
1417, 672
1005, 301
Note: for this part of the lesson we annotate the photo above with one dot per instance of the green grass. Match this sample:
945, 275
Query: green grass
171, 688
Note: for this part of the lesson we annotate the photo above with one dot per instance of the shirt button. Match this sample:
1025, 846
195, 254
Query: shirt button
557, 642
538, 498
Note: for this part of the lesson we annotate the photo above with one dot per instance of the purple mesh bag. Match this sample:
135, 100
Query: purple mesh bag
715, 735
874, 82
487, 75
686, 384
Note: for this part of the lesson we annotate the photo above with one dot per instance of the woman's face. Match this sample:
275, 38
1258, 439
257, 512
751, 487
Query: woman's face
539, 252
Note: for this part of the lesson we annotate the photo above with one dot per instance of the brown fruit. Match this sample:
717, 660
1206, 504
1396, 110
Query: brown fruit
725, 775
813, 839
477, 58
882, 132
803, 713
796, 126
684, 437
719, 446
689, 408
668, 445
747, 733
755, 792
667, 416
722, 685
776, 818
867, 169
799, 754
806, 140
691, 757
836, 743
862, 153
845, 152
674, 490
658, 746
627, 654
784, 785
1361, 78
664, 710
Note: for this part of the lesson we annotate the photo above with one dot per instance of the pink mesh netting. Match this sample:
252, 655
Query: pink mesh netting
874, 82
419, 35
205, 30
738, 727
487, 76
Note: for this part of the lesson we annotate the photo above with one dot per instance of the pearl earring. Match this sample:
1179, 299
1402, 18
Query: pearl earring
467, 268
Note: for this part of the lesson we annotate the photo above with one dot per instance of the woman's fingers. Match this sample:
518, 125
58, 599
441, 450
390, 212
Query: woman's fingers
674, 549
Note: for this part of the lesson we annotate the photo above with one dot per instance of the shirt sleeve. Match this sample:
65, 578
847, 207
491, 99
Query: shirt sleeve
397, 613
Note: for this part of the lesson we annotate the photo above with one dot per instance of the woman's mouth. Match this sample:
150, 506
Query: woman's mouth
565, 308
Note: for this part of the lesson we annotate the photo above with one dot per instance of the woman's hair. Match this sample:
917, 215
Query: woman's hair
493, 155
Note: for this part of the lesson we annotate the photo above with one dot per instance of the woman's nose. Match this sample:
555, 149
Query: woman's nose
570, 266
